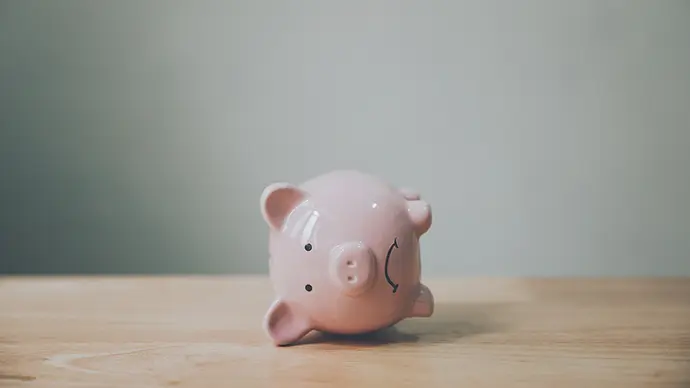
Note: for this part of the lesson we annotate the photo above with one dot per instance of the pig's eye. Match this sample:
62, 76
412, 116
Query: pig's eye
308, 247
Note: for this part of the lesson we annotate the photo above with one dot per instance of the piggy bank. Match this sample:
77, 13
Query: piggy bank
344, 255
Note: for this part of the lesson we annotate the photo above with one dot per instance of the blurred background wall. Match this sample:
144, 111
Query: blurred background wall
550, 137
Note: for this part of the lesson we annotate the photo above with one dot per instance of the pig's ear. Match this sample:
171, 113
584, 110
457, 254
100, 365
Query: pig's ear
420, 214
284, 324
277, 201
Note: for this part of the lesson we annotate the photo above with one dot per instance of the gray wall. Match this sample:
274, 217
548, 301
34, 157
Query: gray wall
551, 137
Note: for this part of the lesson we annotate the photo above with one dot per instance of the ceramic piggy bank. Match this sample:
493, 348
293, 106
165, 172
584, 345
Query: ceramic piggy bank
344, 255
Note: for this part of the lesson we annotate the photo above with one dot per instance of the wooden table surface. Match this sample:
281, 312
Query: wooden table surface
206, 332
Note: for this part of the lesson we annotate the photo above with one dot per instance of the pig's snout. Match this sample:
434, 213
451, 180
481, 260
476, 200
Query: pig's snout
352, 267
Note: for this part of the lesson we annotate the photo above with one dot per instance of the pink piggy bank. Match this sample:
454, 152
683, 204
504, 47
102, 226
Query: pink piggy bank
344, 255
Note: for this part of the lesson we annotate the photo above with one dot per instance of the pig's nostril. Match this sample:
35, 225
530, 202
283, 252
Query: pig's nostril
352, 279
350, 263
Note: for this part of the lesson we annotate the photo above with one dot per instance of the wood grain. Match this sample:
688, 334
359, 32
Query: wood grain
206, 332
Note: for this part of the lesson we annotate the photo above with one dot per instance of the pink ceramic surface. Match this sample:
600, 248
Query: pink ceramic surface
344, 255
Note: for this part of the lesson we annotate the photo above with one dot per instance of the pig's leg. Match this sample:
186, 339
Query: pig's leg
424, 305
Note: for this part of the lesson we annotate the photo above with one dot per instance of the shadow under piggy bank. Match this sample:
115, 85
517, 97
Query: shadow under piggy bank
449, 323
